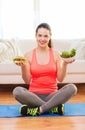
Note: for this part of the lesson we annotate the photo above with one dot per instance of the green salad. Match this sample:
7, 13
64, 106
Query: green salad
68, 54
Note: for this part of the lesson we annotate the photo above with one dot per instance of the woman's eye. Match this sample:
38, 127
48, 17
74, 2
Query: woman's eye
46, 36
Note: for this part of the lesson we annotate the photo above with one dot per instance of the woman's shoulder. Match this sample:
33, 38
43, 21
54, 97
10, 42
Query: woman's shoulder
56, 54
28, 55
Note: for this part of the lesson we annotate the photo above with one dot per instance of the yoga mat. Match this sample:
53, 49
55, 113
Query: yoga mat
11, 111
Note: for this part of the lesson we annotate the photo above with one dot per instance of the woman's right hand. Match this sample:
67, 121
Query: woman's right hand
20, 60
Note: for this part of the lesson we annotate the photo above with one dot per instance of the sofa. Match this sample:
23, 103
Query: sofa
11, 73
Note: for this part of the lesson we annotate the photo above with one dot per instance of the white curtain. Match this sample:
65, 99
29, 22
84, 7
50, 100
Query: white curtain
19, 18
66, 17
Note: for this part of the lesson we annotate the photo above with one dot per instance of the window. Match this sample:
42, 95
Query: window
19, 18
66, 17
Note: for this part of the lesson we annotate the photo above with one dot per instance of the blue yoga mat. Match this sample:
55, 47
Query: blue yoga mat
70, 110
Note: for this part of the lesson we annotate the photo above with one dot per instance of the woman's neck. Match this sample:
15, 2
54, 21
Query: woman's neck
43, 49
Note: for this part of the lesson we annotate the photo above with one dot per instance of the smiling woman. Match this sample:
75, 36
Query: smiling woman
42, 70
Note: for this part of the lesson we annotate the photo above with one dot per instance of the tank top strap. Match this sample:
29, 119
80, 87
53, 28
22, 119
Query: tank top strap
51, 55
34, 55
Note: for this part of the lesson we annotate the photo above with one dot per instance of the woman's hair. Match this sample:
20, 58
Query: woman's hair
47, 26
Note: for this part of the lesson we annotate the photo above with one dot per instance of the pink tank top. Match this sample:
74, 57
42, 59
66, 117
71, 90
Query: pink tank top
43, 76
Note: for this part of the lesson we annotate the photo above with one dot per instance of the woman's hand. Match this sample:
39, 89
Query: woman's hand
69, 61
62, 67
24, 63
19, 60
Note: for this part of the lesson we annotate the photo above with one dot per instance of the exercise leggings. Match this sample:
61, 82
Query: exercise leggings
45, 101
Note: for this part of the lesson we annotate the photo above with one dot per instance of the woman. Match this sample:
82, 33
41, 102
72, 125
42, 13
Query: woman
41, 69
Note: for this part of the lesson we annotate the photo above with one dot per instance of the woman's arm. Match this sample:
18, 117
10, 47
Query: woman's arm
26, 72
24, 63
61, 67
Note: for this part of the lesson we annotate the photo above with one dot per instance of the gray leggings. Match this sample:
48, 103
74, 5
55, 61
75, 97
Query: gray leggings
45, 101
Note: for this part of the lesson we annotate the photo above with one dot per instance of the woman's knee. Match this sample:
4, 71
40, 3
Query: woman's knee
73, 88
16, 91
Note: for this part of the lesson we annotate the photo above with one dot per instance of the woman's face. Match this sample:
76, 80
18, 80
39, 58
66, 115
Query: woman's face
43, 36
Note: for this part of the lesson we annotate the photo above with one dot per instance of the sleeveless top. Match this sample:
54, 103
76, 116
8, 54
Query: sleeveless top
43, 79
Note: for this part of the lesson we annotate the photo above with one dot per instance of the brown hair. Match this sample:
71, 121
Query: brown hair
47, 26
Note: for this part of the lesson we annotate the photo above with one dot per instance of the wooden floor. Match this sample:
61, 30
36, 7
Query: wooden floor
42, 123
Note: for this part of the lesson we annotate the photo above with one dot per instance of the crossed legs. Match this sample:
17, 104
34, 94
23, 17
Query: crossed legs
46, 101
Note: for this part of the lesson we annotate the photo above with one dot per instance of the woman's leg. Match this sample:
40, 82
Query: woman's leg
23, 96
44, 103
59, 97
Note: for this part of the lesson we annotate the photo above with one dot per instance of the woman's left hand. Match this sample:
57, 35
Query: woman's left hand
69, 61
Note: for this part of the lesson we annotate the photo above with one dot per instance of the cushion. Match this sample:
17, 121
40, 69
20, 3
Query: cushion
8, 50
79, 45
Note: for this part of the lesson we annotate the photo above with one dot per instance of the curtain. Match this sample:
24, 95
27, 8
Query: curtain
19, 18
66, 17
